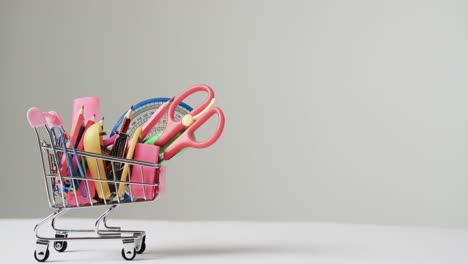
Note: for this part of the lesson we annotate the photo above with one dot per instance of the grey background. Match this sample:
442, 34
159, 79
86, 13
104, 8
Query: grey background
341, 111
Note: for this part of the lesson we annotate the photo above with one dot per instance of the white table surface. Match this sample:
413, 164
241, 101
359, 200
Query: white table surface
249, 242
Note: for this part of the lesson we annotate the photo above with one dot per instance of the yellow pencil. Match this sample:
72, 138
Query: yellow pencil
131, 150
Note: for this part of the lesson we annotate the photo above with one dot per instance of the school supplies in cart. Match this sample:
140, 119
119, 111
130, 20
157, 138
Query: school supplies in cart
84, 168
183, 130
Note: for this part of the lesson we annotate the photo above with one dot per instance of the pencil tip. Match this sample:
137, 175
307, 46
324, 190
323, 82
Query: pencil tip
129, 112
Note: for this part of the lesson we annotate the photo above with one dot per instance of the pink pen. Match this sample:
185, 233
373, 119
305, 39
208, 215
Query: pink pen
109, 141
154, 119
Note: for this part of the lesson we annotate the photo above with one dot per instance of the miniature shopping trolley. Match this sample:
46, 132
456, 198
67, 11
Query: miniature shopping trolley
83, 176
73, 191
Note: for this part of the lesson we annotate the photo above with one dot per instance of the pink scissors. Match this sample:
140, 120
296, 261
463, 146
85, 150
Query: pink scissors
191, 122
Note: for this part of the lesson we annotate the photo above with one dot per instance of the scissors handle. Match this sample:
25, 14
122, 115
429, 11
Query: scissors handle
173, 127
187, 139
186, 94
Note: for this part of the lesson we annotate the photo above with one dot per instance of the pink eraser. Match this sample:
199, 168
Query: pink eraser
147, 153
35, 117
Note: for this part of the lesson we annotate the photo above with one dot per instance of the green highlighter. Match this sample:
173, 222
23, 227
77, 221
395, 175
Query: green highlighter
155, 137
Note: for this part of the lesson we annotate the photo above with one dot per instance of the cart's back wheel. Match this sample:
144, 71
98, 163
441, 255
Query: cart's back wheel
60, 246
143, 246
41, 256
128, 255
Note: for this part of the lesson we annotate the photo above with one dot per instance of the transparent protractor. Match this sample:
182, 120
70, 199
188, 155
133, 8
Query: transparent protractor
144, 110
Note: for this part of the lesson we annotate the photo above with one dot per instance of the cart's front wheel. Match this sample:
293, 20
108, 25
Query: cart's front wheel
142, 246
129, 254
41, 256
60, 246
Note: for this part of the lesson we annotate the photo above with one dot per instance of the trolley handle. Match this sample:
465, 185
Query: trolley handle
37, 118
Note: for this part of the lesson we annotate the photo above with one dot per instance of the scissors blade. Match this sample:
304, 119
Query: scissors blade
173, 126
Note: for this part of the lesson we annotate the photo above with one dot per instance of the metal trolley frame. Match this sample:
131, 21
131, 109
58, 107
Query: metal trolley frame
59, 197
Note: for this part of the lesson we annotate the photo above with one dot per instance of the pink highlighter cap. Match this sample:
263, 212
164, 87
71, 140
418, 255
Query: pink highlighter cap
91, 107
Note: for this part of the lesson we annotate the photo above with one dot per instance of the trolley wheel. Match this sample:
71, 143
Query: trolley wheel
143, 246
128, 255
41, 256
60, 246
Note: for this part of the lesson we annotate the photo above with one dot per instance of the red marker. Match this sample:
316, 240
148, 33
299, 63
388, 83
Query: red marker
126, 121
